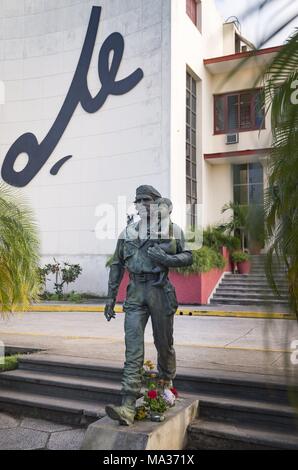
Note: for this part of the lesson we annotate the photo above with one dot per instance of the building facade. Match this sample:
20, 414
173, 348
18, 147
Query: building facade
103, 96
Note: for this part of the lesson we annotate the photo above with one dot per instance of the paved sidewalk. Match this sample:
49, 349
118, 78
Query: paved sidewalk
223, 343
23, 433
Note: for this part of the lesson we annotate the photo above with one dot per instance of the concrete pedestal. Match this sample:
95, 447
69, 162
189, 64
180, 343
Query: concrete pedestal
107, 434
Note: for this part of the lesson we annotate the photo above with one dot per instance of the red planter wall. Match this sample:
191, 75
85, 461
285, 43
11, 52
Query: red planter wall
192, 289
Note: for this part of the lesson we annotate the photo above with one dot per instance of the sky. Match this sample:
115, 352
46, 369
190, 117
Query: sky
260, 24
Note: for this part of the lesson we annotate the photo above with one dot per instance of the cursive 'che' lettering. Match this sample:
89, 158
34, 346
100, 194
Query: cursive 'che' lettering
78, 92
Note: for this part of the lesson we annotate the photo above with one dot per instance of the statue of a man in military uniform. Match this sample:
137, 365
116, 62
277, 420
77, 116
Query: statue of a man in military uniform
140, 254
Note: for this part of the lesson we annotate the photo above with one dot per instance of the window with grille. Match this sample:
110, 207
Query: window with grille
248, 183
238, 111
191, 148
191, 10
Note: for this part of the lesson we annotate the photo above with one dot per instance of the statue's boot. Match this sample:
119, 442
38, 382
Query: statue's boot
166, 384
125, 413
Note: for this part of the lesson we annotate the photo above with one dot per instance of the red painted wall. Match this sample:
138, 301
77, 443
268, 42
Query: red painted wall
192, 289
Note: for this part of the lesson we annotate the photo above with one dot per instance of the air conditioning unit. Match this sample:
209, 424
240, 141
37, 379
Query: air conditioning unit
232, 138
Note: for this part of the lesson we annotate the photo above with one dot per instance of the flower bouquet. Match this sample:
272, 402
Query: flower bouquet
159, 395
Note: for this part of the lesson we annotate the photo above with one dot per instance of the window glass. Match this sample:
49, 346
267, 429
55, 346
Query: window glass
255, 172
188, 81
187, 168
259, 110
233, 112
239, 111
194, 88
256, 194
193, 120
240, 194
188, 134
188, 186
194, 189
193, 137
193, 154
240, 174
245, 110
248, 183
219, 113
193, 103
191, 10
188, 99
193, 170
187, 116
187, 151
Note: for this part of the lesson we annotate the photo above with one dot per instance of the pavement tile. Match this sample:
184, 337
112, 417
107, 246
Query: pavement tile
43, 425
66, 440
22, 439
8, 421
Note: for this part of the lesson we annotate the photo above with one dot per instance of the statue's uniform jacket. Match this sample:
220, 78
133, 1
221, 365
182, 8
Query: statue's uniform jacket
143, 300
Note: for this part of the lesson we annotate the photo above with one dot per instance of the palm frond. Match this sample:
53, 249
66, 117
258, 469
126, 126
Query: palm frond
19, 252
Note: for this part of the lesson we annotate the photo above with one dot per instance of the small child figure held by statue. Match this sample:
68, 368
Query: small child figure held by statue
163, 236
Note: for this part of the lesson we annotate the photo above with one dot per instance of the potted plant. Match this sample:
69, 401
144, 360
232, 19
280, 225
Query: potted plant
241, 259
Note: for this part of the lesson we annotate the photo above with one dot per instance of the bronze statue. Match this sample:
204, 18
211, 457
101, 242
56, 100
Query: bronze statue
147, 257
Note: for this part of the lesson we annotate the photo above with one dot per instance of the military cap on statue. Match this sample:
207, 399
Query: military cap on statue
146, 190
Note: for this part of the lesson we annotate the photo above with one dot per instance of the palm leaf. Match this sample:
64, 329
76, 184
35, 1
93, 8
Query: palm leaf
19, 252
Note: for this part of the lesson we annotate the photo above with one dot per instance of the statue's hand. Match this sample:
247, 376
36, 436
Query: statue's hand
157, 254
109, 309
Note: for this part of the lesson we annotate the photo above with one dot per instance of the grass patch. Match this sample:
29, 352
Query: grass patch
72, 296
10, 363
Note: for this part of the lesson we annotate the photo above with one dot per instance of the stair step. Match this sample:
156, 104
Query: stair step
245, 301
251, 289
250, 295
251, 283
258, 276
236, 386
62, 410
211, 435
251, 286
276, 416
69, 365
243, 384
255, 290
61, 386
247, 290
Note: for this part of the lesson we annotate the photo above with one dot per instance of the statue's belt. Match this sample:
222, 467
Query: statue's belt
143, 277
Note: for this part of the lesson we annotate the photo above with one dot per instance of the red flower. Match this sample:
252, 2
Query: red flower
152, 394
174, 391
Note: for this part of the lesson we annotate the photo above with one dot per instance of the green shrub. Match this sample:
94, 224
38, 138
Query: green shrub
204, 259
232, 243
214, 237
54, 297
10, 363
239, 256
74, 297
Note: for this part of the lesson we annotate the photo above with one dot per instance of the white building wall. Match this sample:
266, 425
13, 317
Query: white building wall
119, 147
136, 138
219, 191
189, 49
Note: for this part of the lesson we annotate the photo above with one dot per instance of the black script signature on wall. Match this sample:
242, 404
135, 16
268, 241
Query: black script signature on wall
38, 153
